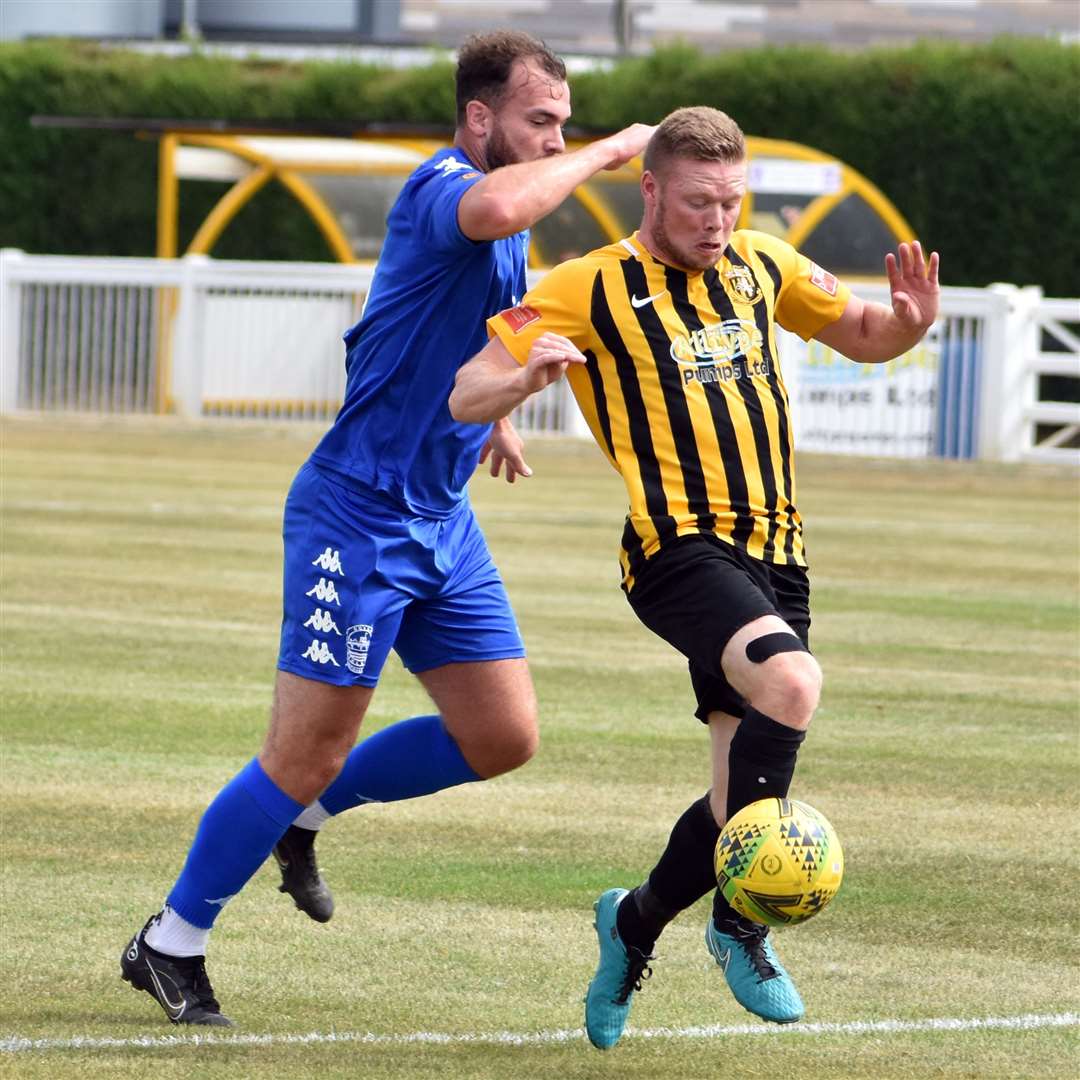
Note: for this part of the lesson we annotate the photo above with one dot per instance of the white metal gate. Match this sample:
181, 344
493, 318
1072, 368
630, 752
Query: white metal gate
997, 376
82, 340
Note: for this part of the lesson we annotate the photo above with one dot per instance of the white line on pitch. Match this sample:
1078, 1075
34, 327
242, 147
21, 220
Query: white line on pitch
13, 1044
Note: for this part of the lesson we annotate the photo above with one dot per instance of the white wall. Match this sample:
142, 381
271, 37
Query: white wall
278, 14
81, 18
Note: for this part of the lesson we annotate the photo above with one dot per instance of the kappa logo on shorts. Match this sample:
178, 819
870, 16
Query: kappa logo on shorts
330, 561
325, 592
357, 644
320, 653
322, 622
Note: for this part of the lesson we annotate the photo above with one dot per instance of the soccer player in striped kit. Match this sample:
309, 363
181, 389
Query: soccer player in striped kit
668, 340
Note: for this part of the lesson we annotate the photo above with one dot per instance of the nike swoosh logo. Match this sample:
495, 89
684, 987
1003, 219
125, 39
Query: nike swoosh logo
641, 301
724, 959
174, 1009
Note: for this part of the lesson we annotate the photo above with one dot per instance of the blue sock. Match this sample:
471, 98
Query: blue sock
410, 758
237, 832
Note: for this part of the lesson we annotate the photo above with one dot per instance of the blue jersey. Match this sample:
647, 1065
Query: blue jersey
425, 316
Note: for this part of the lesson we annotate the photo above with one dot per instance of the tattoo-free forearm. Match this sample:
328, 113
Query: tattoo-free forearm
882, 336
515, 197
485, 392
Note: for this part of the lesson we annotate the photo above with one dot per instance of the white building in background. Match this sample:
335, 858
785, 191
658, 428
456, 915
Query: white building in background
598, 27
279, 20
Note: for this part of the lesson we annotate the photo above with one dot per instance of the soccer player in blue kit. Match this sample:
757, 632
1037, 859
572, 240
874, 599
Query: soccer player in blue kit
381, 546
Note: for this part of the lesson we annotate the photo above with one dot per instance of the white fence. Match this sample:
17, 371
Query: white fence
192, 335
996, 377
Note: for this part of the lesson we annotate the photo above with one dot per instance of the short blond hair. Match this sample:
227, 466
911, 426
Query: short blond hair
697, 132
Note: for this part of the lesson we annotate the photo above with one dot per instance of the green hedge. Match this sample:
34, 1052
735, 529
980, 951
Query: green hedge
977, 146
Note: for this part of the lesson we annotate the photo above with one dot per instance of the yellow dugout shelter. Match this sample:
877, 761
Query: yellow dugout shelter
820, 205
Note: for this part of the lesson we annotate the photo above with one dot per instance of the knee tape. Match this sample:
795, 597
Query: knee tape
761, 648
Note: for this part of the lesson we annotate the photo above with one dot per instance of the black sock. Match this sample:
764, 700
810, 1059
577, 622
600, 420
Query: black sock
723, 912
641, 917
761, 761
683, 875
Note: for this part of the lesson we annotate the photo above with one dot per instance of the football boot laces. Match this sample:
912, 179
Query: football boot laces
751, 937
637, 971
201, 984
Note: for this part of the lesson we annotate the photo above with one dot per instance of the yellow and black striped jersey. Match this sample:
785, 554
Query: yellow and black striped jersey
682, 387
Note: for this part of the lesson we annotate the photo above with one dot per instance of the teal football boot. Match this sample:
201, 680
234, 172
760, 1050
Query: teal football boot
619, 973
753, 970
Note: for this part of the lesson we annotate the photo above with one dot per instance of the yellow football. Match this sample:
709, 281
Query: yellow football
778, 862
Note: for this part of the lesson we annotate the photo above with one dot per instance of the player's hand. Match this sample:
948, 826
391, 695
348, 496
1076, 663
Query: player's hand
506, 448
550, 356
628, 143
914, 285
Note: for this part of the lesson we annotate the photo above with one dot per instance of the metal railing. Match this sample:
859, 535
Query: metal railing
77, 338
191, 335
1053, 426
998, 375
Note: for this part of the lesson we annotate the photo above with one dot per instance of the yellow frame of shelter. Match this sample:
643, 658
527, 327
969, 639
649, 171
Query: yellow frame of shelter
589, 195
265, 168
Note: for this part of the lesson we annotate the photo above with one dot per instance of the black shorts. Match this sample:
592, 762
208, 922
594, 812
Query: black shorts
697, 591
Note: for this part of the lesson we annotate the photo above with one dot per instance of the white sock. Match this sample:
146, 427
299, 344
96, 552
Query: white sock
314, 817
175, 936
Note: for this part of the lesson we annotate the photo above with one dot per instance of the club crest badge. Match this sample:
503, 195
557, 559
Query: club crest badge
357, 645
742, 282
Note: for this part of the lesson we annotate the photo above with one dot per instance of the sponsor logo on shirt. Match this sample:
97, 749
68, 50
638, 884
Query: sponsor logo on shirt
825, 281
724, 342
718, 354
517, 318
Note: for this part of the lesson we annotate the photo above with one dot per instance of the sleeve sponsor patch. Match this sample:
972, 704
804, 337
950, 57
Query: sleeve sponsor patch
517, 318
825, 281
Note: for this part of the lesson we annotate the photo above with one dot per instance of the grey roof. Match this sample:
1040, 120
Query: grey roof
590, 25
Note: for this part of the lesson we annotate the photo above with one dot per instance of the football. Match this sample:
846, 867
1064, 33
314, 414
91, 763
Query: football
778, 862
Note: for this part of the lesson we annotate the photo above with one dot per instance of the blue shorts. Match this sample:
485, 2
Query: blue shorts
362, 578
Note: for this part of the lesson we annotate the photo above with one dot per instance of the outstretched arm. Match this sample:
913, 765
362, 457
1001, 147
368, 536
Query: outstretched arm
515, 197
492, 384
872, 333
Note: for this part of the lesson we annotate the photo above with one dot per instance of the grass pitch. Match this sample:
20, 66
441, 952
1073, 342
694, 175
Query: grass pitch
141, 566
